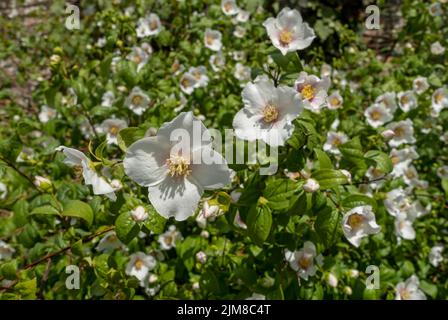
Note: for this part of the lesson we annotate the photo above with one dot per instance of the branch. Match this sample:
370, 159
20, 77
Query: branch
12, 166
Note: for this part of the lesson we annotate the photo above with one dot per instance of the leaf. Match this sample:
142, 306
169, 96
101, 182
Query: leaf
381, 160
328, 225
352, 152
259, 222
355, 200
155, 222
27, 289
128, 136
10, 148
126, 228
328, 178
46, 210
8, 269
280, 193
78, 209
445, 187
324, 160
429, 288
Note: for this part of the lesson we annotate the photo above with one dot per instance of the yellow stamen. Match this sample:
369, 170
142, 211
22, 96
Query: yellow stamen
178, 166
137, 100
304, 262
270, 113
285, 37
355, 220
308, 92
138, 264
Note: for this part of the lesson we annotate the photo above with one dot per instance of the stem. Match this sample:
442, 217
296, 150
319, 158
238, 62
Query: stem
12, 166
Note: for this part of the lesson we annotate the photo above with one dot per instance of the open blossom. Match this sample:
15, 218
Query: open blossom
437, 48
288, 32
242, 72
409, 290
334, 140
108, 99
177, 177
377, 115
389, 101
439, 100
312, 90
242, 16
148, 26
212, 39
167, 240
268, 112
46, 114
358, 223
435, 9
403, 227
139, 265
435, 256
239, 32
139, 57
420, 85
111, 127
303, 261
407, 100
229, 7
6, 251
76, 158
137, 101
217, 61
139, 214
188, 83
334, 101
403, 133
401, 159
200, 74
109, 242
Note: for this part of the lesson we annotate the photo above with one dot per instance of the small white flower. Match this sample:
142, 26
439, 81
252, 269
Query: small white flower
242, 16
332, 280
377, 115
149, 26
137, 101
139, 214
213, 39
353, 273
403, 133
239, 32
420, 85
409, 290
403, 227
401, 160
435, 9
167, 240
303, 260
388, 99
288, 32
210, 211
325, 70
375, 176
334, 101
388, 134
242, 73
111, 127
238, 55
139, 56
437, 49
268, 112
91, 177
311, 185
229, 7
334, 140
435, 256
201, 257
108, 98
358, 223
116, 184
217, 61
313, 91
439, 100
188, 83
139, 266
46, 114
6, 251
176, 177
200, 74
407, 100
109, 242
347, 174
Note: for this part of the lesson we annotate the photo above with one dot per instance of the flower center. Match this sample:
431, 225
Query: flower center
285, 37
334, 101
209, 40
113, 130
395, 160
270, 113
399, 131
112, 238
375, 115
153, 25
137, 100
304, 262
228, 6
404, 100
137, 59
438, 97
185, 83
405, 294
178, 166
168, 240
138, 264
308, 92
355, 221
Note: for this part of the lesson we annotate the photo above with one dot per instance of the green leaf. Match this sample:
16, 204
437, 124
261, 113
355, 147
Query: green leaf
78, 209
27, 289
8, 269
155, 222
259, 222
381, 160
355, 200
126, 228
328, 178
128, 136
429, 288
445, 187
352, 152
324, 160
328, 225
45, 210
10, 148
280, 193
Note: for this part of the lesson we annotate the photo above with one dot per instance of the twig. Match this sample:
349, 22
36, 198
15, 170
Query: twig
12, 166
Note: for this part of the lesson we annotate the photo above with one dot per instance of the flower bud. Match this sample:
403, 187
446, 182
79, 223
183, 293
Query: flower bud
311, 185
388, 134
139, 214
201, 257
332, 280
42, 183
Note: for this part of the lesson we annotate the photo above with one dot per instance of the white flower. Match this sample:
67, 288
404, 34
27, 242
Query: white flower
91, 177
229, 7
353, 273
242, 16
377, 115
407, 100
139, 214
149, 26
435, 9
42, 182
177, 177
403, 133
388, 134
302, 261
108, 99
109, 242
200, 74
217, 61
46, 114
388, 99
437, 48
403, 227
358, 223
210, 211
201, 257
334, 101
239, 32
311, 185
439, 100
242, 73
334, 140
3, 191
137, 101
288, 32
139, 56
139, 265
212, 39
238, 55
347, 174
111, 127
167, 240
6, 251
116, 184
401, 160
268, 112
312, 90
409, 290
442, 172
420, 85
375, 176
332, 280
188, 83
435, 256
325, 70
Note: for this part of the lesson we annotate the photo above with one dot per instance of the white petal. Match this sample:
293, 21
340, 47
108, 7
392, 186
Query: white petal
211, 176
